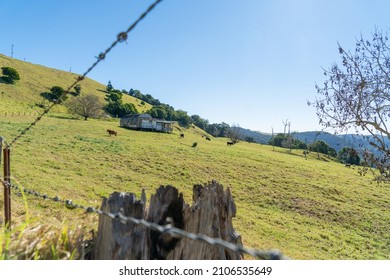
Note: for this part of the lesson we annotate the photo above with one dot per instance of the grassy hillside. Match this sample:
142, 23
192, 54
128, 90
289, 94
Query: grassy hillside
24, 96
307, 208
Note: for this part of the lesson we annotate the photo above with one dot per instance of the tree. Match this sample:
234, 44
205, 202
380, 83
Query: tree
109, 87
349, 155
277, 140
10, 75
114, 96
183, 118
158, 112
57, 93
356, 94
87, 106
322, 147
126, 109
77, 89
286, 141
218, 129
234, 133
200, 122
118, 109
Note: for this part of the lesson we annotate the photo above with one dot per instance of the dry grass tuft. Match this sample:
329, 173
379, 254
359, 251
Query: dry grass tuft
42, 242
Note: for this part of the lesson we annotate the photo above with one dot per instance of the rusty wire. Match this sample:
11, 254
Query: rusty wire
169, 229
121, 37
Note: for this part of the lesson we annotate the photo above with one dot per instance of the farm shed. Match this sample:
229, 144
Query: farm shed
145, 122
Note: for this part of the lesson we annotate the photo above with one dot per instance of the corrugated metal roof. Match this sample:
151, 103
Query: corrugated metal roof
145, 116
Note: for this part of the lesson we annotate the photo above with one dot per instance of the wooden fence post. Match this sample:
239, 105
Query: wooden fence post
7, 189
210, 214
1, 148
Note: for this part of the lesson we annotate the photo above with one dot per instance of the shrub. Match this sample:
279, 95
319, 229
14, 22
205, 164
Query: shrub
56, 92
10, 75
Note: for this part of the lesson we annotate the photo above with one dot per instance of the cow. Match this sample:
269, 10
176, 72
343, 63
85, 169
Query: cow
230, 143
208, 138
112, 132
181, 135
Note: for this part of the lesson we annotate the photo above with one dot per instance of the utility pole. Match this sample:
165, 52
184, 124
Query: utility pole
12, 50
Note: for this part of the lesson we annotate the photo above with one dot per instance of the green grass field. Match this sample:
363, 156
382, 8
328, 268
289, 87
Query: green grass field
307, 208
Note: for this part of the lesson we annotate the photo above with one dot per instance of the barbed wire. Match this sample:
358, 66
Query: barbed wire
121, 37
169, 229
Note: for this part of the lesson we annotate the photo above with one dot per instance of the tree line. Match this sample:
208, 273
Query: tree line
167, 112
346, 155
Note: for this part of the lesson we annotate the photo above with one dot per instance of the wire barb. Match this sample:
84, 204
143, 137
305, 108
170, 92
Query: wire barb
169, 229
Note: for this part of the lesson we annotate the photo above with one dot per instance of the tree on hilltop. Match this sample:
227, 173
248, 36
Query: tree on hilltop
109, 87
10, 75
116, 107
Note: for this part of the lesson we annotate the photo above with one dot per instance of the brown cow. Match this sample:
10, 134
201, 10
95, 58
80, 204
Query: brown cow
110, 132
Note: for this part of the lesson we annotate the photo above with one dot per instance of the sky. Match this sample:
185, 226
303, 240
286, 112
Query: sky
252, 63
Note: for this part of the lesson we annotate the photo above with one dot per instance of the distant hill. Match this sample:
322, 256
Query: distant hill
337, 142
258, 137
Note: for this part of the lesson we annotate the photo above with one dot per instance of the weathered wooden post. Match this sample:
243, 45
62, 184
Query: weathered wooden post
7, 188
1, 148
210, 214
117, 240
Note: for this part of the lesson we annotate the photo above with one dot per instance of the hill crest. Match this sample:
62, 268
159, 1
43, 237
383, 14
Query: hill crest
25, 95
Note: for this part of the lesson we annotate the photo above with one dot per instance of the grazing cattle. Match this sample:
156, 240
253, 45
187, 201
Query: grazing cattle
181, 135
348, 165
208, 138
230, 143
112, 132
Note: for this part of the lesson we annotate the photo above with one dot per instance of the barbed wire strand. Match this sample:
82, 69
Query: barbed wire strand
169, 229
121, 37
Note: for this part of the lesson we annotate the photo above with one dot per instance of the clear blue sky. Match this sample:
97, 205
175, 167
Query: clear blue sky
250, 62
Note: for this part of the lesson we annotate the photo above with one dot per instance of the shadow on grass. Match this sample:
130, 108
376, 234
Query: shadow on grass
4, 80
46, 95
66, 117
